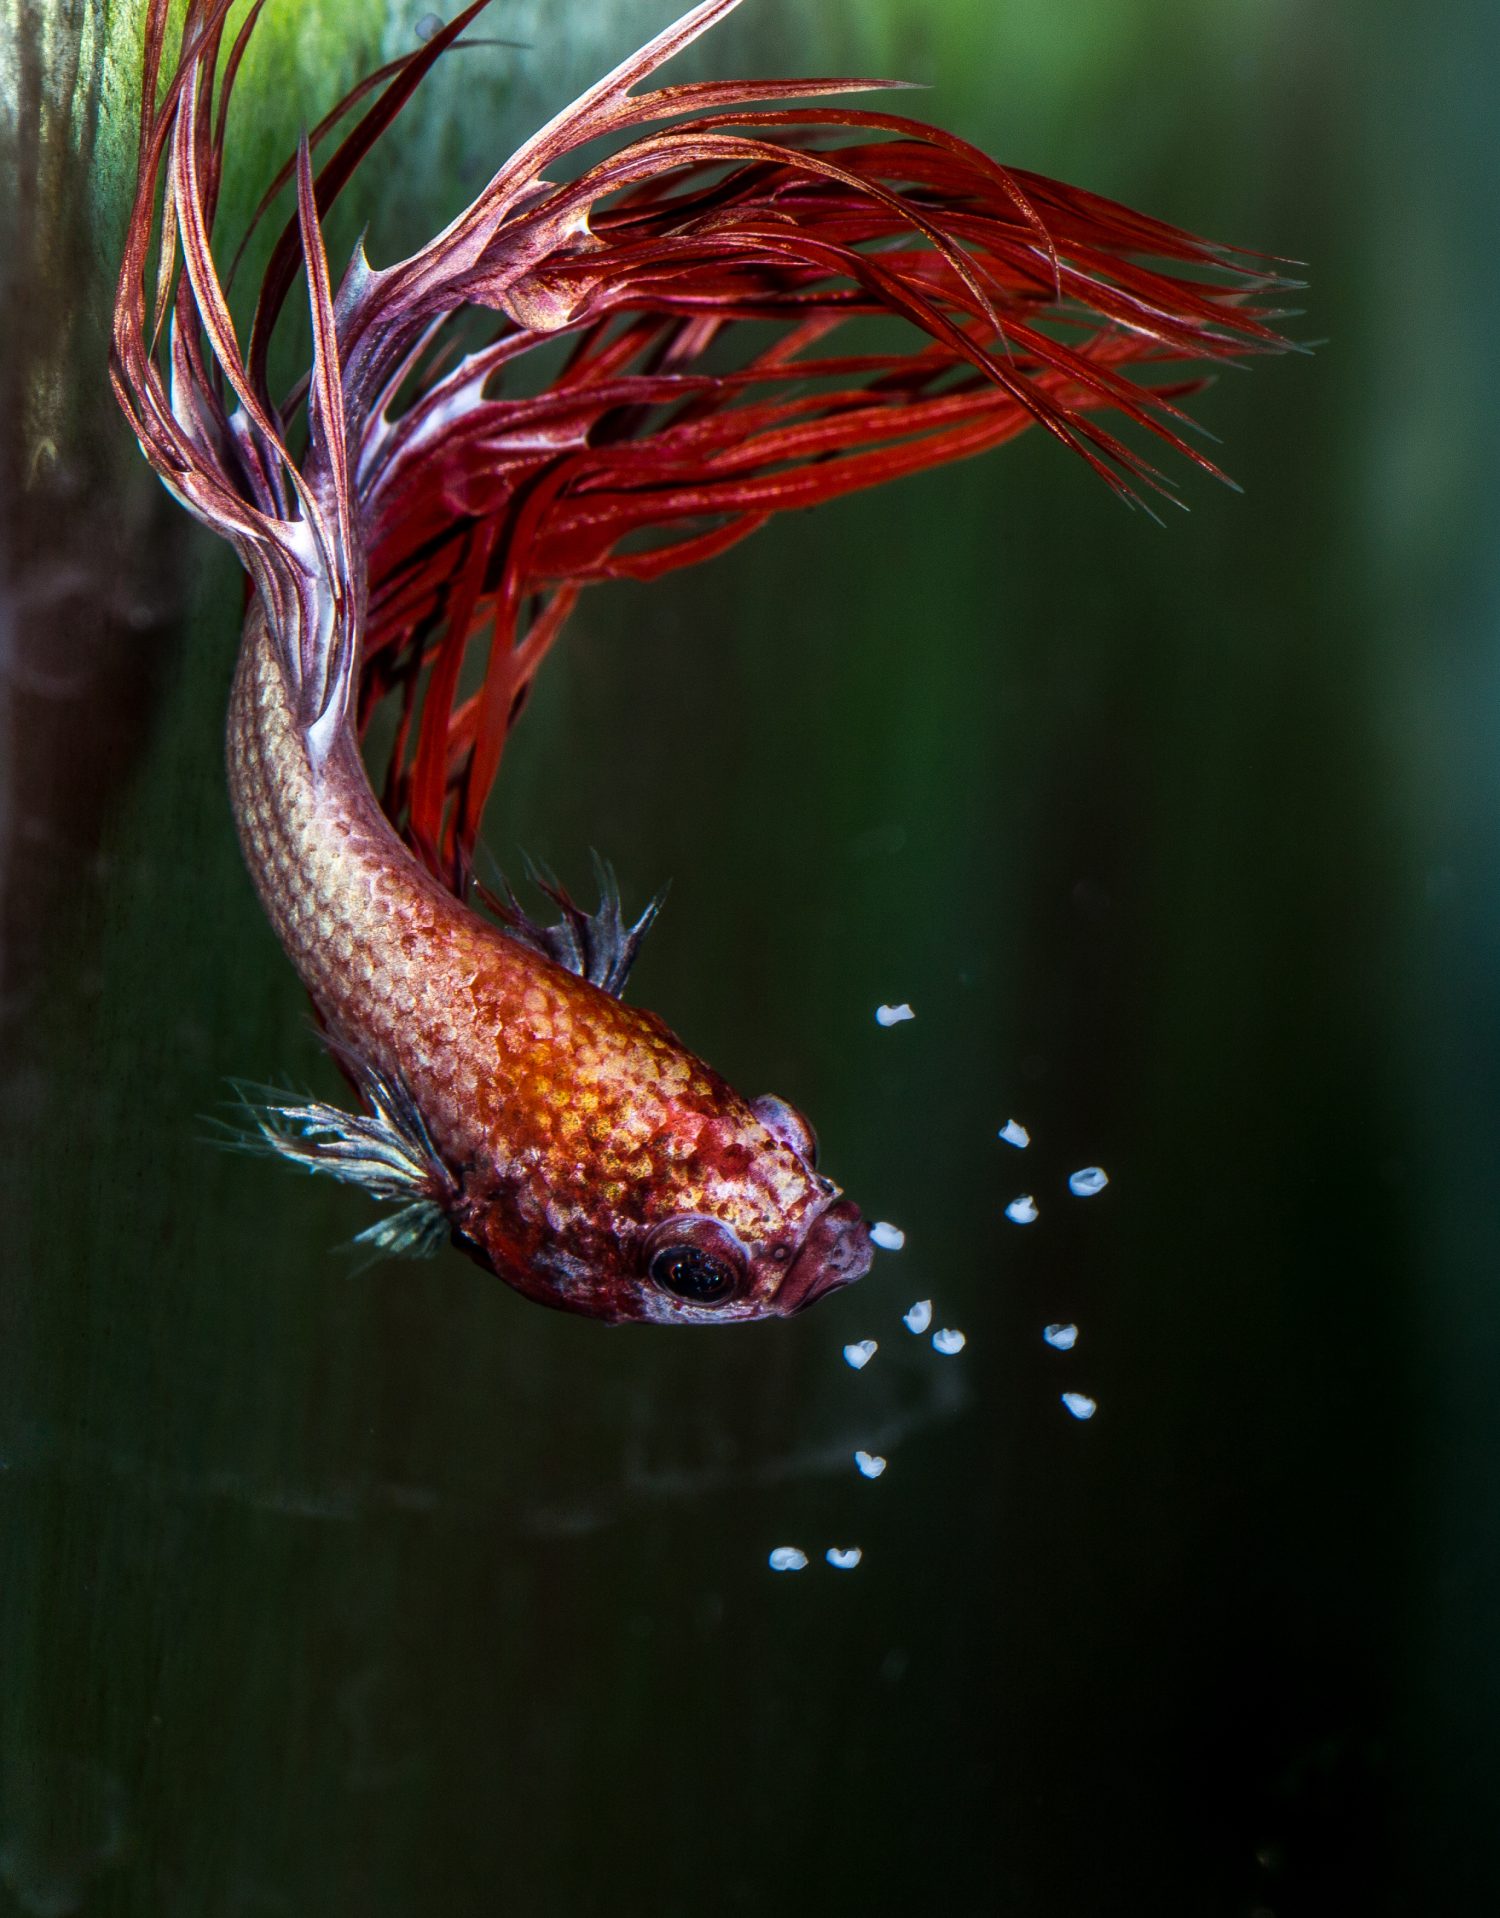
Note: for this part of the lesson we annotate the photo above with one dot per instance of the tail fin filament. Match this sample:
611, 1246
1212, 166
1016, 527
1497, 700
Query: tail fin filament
706, 273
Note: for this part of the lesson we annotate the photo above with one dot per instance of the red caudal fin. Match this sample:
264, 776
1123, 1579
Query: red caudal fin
705, 273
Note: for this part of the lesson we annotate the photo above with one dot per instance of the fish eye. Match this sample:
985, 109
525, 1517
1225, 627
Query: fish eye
696, 1259
693, 1274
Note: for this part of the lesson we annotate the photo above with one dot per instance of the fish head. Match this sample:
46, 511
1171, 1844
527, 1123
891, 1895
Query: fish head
754, 1231
726, 1219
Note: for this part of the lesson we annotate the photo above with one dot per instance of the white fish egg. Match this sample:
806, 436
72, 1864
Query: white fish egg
1064, 1337
893, 1015
871, 1464
1021, 1211
786, 1558
890, 1238
1080, 1404
1014, 1133
1084, 1184
919, 1317
843, 1560
860, 1353
948, 1341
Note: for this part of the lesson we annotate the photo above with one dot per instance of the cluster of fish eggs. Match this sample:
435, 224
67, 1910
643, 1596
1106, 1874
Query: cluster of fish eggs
947, 1341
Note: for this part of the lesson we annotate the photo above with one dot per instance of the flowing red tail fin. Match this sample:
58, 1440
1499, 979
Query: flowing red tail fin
439, 505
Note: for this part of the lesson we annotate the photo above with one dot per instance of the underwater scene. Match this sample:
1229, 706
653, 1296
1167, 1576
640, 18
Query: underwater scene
861, 1276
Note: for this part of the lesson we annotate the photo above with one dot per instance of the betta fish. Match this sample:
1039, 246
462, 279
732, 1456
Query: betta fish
417, 519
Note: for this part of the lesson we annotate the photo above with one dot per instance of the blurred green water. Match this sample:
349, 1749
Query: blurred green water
384, 1593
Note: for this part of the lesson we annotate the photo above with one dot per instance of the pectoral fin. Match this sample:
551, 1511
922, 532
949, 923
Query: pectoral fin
386, 1150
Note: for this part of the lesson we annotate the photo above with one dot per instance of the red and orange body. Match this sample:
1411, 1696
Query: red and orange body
574, 1136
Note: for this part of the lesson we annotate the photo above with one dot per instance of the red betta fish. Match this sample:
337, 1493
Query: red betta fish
413, 499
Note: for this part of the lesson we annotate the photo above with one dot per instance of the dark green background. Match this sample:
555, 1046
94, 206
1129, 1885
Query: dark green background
382, 1593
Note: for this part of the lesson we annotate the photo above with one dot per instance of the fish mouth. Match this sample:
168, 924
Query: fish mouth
836, 1252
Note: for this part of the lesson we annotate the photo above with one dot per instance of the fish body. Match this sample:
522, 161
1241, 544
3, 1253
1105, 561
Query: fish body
574, 1140
418, 506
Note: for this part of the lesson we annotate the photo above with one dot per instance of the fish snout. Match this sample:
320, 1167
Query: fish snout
836, 1252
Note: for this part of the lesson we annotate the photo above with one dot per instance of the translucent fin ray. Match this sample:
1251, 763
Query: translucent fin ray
385, 1150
